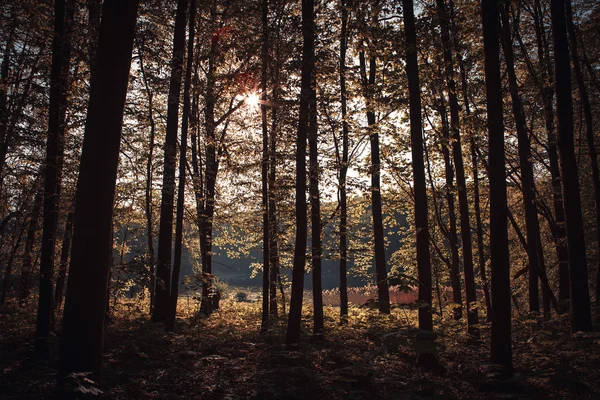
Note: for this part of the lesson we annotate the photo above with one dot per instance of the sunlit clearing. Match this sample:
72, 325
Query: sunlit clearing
252, 99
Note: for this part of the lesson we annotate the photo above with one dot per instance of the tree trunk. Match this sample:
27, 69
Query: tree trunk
581, 319
452, 233
501, 311
589, 130
315, 213
420, 189
526, 164
28, 262
172, 312
149, 178
463, 202
62, 268
165, 233
265, 165
83, 322
59, 87
9, 262
343, 167
308, 63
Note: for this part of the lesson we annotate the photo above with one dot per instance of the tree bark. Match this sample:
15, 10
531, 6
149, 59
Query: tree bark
581, 319
526, 164
420, 189
344, 165
501, 311
308, 63
83, 322
589, 130
165, 233
62, 269
59, 88
463, 202
170, 322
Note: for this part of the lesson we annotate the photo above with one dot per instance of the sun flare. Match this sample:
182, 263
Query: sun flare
252, 99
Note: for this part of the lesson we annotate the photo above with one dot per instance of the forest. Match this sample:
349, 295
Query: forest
296, 199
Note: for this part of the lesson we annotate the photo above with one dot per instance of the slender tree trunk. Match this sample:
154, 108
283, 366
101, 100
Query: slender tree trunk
368, 83
273, 226
526, 164
265, 165
149, 178
62, 268
589, 130
9, 262
547, 91
59, 87
28, 262
420, 189
580, 299
501, 311
315, 213
308, 63
165, 234
344, 166
463, 202
83, 321
452, 233
170, 322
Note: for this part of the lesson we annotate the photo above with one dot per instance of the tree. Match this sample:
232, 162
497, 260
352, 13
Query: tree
165, 233
59, 83
83, 321
308, 62
581, 319
420, 189
501, 311
170, 322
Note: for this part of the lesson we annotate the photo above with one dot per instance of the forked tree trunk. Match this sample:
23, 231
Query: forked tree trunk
172, 312
165, 233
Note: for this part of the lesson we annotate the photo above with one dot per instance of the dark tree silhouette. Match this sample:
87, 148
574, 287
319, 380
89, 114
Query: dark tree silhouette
165, 233
581, 319
308, 63
83, 321
501, 310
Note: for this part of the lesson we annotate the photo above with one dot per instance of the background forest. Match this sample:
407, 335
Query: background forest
433, 160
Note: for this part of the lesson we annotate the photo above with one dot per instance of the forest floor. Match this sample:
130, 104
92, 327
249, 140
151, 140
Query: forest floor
370, 357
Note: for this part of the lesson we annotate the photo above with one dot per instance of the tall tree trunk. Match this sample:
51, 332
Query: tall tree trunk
273, 226
344, 166
265, 165
452, 233
581, 319
165, 233
28, 261
59, 87
170, 322
149, 178
62, 268
83, 322
315, 213
9, 262
547, 92
308, 63
94, 15
589, 129
463, 202
526, 164
501, 311
368, 83
420, 189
